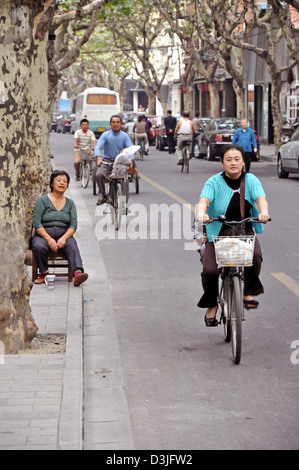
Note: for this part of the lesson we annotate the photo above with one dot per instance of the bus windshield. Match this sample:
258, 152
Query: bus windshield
101, 99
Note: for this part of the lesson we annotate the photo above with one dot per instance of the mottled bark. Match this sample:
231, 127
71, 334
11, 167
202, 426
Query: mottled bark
24, 159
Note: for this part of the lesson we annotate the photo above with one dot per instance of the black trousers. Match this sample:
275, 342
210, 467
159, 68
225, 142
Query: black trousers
170, 142
210, 273
41, 250
248, 156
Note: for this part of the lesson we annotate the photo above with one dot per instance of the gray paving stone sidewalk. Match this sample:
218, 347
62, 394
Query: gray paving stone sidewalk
32, 386
268, 152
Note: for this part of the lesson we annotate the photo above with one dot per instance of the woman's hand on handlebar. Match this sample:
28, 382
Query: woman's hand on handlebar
202, 218
263, 217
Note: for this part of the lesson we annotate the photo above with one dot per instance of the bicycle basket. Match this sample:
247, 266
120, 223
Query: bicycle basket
85, 154
235, 250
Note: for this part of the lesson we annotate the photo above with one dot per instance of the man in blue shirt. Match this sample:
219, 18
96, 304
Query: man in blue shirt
244, 136
112, 142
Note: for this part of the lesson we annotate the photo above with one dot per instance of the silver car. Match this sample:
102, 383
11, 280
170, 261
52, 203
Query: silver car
288, 156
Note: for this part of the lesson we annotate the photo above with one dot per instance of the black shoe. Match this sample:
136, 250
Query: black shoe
102, 199
248, 304
211, 321
180, 162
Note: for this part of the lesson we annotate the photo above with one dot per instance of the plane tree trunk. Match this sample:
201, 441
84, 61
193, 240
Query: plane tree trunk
24, 161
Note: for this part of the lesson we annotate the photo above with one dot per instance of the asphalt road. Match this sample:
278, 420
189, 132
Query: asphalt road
183, 390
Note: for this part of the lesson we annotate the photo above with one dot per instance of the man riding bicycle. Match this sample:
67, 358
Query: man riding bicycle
84, 139
185, 129
112, 142
221, 196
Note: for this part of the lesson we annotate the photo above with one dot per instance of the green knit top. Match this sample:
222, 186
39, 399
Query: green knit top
47, 216
219, 194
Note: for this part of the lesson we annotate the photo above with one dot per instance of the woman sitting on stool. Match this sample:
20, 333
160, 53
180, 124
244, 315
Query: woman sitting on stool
55, 222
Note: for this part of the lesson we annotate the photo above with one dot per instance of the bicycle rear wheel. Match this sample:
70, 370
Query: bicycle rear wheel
236, 318
183, 162
85, 173
187, 159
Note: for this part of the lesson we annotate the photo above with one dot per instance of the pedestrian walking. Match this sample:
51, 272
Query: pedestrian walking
170, 123
244, 136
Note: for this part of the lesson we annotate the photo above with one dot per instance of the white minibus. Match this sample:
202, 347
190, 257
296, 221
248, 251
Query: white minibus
97, 105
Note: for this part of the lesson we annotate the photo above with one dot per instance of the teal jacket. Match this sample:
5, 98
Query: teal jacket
219, 194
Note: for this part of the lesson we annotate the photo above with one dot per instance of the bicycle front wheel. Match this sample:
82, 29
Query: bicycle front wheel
236, 318
85, 174
226, 316
117, 205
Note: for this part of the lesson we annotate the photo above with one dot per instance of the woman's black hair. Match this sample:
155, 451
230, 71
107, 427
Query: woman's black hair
58, 173
226, 148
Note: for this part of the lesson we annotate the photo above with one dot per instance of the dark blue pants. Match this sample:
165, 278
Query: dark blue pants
41, 250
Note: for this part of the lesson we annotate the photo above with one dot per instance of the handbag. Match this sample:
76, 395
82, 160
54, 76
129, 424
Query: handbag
240, 229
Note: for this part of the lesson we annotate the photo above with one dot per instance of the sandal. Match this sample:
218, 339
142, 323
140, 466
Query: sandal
249, 304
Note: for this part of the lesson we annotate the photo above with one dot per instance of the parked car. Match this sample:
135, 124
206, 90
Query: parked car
55, 118
288, 156
219, 132
64, 123
205, 121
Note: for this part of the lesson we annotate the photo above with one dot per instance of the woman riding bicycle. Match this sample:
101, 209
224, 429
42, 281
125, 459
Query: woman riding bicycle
221, 196
140, 130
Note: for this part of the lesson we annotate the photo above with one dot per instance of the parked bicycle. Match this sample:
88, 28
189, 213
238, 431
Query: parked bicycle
233, 254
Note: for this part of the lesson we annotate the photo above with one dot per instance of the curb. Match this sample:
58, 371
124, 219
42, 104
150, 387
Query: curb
71, 416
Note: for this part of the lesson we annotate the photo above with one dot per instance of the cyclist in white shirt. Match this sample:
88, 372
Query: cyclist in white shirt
84, 139
186, 129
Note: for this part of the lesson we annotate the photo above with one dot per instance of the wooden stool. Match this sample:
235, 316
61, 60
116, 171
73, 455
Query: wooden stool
56, 259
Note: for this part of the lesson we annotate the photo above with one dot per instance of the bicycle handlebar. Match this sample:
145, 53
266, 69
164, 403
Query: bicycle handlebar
222, 218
